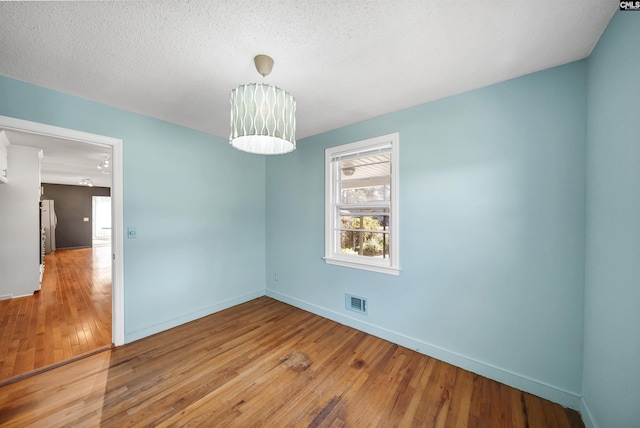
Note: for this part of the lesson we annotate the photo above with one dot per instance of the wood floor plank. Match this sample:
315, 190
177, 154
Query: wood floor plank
69, 316
534, 411
268, 364
459, 408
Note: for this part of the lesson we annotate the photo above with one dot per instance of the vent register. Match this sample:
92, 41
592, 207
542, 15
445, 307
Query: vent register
356, 304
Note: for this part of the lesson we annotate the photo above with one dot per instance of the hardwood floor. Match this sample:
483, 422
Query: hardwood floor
265, 363
69, 317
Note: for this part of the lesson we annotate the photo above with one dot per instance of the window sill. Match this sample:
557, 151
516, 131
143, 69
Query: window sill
389, 270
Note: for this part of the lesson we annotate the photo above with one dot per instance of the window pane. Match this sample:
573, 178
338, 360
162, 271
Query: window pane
365, 179
365, 194
364, 167
364, 235
349, 222
363, 243
362, 211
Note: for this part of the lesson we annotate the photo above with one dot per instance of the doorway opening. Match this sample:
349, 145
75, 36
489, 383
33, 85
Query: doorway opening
117, 245
101, 213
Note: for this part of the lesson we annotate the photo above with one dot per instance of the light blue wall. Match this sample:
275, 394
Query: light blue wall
612, 292
197, 203
492, 224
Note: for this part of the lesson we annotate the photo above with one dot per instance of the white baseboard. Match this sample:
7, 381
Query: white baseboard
532, 386
157, 328
11, 296
587, 417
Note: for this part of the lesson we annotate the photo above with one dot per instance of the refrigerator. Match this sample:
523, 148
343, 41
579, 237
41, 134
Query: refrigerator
49, 223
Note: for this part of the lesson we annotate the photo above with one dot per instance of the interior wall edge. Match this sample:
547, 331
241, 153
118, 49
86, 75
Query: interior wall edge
558, 395
192, 316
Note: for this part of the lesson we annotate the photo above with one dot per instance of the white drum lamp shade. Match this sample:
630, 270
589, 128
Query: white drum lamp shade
263, 119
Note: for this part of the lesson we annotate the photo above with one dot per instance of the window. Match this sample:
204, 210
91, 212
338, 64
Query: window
361, 229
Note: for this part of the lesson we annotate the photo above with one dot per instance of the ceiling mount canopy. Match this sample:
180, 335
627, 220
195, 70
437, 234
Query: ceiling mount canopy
264, 64
263, 116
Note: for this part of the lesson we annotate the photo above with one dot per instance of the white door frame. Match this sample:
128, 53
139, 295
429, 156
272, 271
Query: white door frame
117, 244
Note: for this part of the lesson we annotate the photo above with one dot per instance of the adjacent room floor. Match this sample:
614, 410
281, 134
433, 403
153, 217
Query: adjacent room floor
265, 363
70, 317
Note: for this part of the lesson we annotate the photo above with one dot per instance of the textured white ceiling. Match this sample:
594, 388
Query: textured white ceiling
343, 60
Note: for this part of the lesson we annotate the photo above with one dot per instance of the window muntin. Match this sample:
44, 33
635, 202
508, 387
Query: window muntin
361, 227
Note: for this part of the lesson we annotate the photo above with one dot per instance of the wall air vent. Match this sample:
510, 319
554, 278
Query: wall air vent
356, 304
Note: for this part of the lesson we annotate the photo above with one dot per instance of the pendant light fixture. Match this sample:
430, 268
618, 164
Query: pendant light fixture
263, 117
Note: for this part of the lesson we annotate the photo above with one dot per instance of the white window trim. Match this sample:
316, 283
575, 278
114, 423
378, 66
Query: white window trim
392, 266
